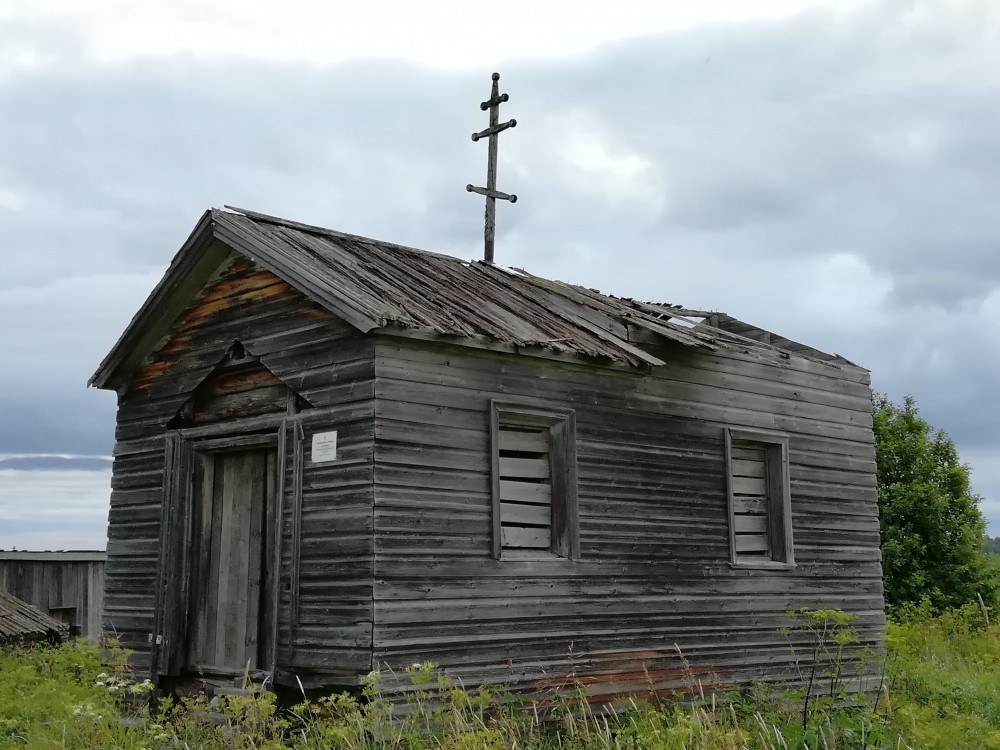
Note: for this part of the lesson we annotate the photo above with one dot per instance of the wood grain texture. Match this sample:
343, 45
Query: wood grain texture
66, 585
524, 458
388, 554
653, 566
756, 513
306, 349
226, 600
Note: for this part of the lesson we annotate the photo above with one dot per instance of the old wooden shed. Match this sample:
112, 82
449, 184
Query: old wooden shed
22, 624
335, 453
67, 585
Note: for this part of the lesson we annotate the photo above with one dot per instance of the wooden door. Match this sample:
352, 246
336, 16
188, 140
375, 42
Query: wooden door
232, 580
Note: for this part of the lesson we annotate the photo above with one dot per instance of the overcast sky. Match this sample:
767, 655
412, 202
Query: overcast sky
829, 170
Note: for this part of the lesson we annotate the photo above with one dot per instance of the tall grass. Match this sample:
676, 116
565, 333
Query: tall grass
943, 691
945, 679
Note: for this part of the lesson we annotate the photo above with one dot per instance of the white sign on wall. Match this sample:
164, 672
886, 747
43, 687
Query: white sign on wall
324, 447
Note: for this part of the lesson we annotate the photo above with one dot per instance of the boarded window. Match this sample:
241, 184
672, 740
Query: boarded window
534, 483
759, 503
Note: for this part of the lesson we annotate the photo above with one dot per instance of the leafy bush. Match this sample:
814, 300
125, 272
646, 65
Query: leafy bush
933, 531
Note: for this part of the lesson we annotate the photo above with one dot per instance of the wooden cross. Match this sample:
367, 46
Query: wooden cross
490, 191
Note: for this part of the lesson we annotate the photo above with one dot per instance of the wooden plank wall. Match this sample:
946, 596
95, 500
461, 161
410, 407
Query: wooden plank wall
321, 358
330, 631
654, 548
47, 581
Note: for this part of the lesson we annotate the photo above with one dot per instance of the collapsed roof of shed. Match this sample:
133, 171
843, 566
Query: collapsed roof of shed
22, 623
373, 284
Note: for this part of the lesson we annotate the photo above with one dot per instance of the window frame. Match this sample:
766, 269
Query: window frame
565, 524
776, 456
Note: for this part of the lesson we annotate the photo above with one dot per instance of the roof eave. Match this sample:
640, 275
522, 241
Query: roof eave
193, 256
181, 264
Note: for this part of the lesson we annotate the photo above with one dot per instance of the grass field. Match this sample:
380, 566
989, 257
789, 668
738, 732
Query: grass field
942, 691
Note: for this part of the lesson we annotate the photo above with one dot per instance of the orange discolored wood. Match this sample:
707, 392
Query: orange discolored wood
226, 383
234, 391
239, 286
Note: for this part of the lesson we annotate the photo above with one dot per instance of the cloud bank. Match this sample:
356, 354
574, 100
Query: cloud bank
831, 176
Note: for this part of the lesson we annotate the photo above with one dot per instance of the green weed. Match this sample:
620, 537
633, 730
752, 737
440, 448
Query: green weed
942, 691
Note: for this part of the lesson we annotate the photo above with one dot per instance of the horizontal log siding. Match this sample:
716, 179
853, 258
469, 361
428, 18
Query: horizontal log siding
133, 549
654, 544
333, 632
326, 362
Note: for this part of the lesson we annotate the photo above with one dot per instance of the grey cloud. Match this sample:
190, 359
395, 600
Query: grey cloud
89, 533
53, 509
831, 177
66, 421
853, 132
54, 463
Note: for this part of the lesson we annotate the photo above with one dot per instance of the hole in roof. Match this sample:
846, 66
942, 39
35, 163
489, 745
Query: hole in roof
512, 271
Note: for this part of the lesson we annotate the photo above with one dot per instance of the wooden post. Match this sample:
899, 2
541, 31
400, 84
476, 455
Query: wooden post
490, 191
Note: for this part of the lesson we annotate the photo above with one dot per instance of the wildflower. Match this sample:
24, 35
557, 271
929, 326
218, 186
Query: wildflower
141, 688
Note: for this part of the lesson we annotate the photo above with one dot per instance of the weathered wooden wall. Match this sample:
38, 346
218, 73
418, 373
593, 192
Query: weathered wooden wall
328, 627
386, 552
331, 367
653, 575
59, 581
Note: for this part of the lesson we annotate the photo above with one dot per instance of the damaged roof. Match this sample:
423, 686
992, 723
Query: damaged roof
380, 285
22, 623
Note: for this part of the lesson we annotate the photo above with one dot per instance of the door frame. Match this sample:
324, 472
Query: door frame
176, 567
168, 637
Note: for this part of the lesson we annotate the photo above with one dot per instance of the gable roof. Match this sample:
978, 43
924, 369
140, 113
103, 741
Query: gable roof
22, 623
373, 284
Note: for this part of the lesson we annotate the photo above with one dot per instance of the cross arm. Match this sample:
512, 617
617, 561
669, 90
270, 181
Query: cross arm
492, 193
495, 100
494, 129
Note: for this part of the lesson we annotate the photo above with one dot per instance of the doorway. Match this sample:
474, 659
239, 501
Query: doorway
232, 544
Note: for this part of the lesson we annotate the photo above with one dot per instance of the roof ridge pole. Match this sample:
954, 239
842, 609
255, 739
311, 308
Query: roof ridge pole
490, 191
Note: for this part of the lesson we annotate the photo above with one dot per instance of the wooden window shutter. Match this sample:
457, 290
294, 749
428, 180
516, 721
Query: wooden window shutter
534, 483
750, 505
525, 488
759, 500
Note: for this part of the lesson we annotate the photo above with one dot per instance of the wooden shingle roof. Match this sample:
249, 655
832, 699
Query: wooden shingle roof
373, 284
22, 623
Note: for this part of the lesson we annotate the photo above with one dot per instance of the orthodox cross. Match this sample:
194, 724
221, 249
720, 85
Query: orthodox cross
490, 191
